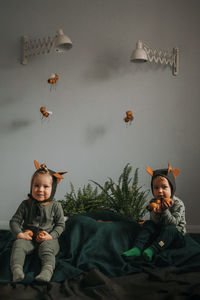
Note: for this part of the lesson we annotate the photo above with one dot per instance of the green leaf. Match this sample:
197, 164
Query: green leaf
124, 197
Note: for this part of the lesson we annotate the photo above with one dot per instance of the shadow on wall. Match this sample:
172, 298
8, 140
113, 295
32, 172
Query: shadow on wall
14, 126
110, 65
4, 102
106, 66
9, 126
94, 133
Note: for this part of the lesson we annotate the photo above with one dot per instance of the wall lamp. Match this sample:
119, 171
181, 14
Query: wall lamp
144, 53
60, 42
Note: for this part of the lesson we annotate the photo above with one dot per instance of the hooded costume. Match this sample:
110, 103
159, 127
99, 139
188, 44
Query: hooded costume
37, 216
166, 228
56, 177
169, 173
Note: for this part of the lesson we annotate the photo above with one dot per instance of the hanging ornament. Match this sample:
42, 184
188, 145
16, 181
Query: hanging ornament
44, 113
53, 80
129, 117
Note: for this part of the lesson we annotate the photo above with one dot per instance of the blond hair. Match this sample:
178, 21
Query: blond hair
162, 178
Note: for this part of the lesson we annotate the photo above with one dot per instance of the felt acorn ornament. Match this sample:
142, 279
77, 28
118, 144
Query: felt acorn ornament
44, 112
129, 116
53, 78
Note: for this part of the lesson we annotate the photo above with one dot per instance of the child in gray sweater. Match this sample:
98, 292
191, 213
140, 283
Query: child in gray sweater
167, 226
37, 223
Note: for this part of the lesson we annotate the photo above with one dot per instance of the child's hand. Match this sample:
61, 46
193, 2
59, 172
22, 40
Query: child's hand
166, 203
157, 209
155, 206
43, 236
30, 232
24, 236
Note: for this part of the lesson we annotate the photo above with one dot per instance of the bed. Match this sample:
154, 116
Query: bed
90, 265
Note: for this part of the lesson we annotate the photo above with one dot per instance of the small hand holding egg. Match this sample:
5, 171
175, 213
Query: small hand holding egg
158, 206
155, 206
43, 236
26, 235
166, 203
30, 232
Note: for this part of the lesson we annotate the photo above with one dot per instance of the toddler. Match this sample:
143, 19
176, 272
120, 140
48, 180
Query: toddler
37, 223
167, 226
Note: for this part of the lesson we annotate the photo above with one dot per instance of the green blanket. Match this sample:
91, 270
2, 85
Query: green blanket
87, 244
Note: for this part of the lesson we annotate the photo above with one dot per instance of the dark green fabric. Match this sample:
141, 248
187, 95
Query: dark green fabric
87, 244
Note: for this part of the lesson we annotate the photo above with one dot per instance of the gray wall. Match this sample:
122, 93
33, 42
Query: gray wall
86, 134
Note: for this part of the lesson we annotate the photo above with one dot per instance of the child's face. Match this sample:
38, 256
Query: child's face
42, 187
161, 188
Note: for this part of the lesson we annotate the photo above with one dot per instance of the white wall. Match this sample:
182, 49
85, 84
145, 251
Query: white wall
86, 134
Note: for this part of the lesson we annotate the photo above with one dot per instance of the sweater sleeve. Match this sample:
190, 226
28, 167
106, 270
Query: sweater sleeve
59, 221
17, 219
175, 215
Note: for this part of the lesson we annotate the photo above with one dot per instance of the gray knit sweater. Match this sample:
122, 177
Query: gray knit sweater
36, 217
174, 215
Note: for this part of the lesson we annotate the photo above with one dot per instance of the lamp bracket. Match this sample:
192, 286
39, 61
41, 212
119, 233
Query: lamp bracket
164, 57
35, 47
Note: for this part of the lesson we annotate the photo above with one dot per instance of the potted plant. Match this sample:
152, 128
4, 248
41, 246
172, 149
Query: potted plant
125, 197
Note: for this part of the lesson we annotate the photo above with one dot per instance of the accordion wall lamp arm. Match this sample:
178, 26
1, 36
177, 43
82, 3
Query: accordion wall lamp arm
144, 53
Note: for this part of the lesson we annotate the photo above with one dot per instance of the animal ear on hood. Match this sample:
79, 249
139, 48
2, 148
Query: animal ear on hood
175, 171
36, 163
149, 170
59, 176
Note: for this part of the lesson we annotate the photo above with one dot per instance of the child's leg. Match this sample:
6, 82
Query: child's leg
168, 235
17, 271
147, 232
47, 251
19, 251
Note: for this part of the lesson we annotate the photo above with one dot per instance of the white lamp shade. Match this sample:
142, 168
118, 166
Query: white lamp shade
62, 42
139, 54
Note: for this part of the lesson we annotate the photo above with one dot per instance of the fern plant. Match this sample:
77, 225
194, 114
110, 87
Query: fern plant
125, 197
85, 200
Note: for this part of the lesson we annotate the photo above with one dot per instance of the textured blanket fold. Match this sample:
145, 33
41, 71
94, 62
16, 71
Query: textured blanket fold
87, 244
